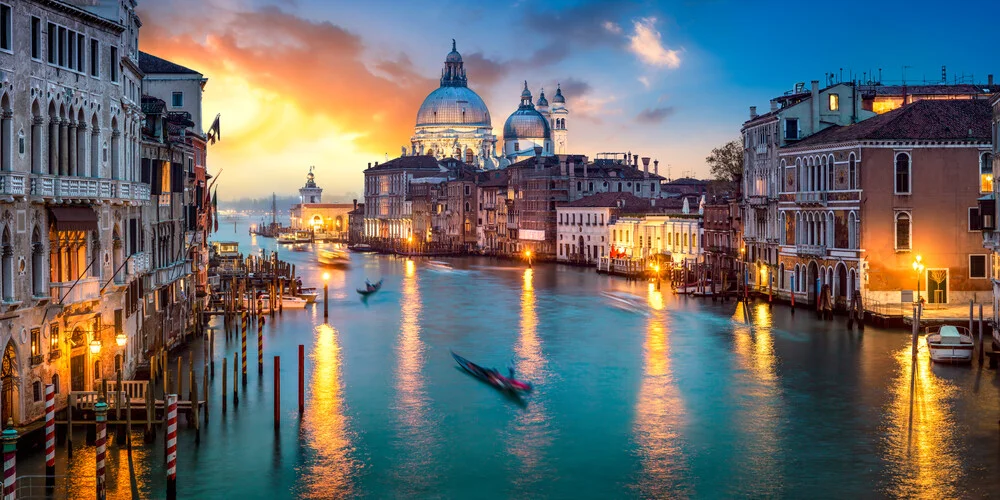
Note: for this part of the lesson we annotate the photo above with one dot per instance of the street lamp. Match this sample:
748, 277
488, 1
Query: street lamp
527, 255
918, 268
95, 346
326, 295
121, 339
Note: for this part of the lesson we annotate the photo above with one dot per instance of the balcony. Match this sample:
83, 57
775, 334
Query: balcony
13, 184
65, 293
171, 273
812, 250
57, 188
811, 198
757, 200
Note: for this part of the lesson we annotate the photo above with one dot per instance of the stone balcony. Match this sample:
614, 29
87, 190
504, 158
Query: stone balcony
138, 264
169, 274
13, 184
811, 198
66, 293
58, 189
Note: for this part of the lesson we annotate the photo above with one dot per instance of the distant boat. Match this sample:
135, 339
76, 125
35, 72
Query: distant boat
336, 258
440, 265
491, 376
287, 238
950, 344
287, 302
362, 248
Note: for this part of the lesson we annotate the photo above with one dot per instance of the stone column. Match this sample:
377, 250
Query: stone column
71, 149
7, 136
64, 147
36, 145
53, 167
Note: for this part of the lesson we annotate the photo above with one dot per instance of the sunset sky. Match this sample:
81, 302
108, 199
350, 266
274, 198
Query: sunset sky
337, 84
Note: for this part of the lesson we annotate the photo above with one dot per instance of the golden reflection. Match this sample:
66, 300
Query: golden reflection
921, 439
754, 349
530, 428
326, 426
659, 412
411, 406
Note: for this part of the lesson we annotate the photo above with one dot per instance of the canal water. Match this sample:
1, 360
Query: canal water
640, 393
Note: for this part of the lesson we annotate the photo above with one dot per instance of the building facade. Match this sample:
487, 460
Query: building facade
860, 203
722, 236
582, 225
678, 237
327, 221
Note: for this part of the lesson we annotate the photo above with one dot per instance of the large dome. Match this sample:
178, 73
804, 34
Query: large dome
453, 106
526, 123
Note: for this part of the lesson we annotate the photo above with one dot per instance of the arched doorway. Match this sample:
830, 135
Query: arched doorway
78, 361
579, 248
841, 288
812, 282
9, 395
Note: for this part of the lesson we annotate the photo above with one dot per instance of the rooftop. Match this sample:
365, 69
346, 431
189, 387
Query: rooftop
626, 201
151, 64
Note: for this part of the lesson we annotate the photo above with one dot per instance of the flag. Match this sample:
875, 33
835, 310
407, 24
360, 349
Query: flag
215, 208
214, 132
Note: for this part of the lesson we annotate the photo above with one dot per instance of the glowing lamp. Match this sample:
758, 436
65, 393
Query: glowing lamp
121, 339
95, 346
326, 276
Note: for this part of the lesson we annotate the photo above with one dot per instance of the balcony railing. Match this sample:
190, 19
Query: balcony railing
65, 293
139, 263
53, 186
13, 184
757, 200
816, 250
811, 198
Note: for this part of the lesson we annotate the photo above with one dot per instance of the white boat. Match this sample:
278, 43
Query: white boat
286, 303
626, 302
287, 238
335, 258
308, 294
950, 345
303, 236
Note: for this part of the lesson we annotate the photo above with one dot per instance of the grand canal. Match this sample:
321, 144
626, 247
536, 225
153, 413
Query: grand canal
681, 398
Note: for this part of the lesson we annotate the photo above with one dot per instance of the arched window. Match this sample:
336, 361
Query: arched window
852, 231
986, 173
469, 157
468, 207
579, 186
38, 285
903, 231
6, 134
828, 164
852, 172
903, 173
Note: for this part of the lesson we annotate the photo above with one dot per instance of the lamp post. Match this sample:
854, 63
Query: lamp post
918, 268
409, 244
527, 255
326, 295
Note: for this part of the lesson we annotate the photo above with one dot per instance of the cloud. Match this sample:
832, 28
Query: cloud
647, 44
574, 87
587, 24
613, 27
644, 81
655, 115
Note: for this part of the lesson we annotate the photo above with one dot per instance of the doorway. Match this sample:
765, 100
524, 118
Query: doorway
937, 286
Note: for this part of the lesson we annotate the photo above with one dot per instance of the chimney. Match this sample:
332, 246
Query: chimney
584, 168
539, 162
572, 171
355, 203
774, 104
369, 164
645, 167
656, 167
538, 151
815, 107
376, 164
989, 80
753, 112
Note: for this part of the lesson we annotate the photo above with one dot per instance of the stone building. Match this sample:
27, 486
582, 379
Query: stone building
860, 203
327, 221
70, 198
356, 224
723, 238
582, 225
491, 223
880, 98
988, 212
676, 236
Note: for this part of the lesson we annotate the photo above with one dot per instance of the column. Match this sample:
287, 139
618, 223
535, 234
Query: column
64, 147
7, 138
71, 150
81, 150
36, 144
53, 166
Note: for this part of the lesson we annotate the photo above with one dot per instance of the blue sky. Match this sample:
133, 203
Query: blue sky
668, 80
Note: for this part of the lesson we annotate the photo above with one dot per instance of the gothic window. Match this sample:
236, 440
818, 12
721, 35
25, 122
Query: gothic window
903, 182
852, 172
903, 231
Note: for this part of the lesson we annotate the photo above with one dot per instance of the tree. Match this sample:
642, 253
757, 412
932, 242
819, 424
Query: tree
726, 162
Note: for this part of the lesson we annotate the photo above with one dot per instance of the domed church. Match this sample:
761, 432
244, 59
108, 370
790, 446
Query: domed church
536, 125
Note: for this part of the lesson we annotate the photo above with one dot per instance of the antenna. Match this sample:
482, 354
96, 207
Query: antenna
904, 73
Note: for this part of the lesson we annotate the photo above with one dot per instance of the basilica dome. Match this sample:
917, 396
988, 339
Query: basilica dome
526, 122
453, 105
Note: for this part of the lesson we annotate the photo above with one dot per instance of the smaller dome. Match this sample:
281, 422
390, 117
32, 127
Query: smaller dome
453, 56
526, 123
559, 97
542, 101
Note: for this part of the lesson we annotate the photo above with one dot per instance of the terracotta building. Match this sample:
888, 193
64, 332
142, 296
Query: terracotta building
860, 203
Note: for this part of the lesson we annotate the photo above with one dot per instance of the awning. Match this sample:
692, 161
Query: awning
74, 218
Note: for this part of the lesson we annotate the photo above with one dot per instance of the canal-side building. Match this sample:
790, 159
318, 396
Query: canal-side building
677, 237
722, 235
356, 224
794, 116
327, 221
491, 227
582, 225
859, 203
880, 98
988, 206
69, 189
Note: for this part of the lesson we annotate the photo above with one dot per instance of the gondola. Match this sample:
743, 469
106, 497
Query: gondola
491, 376
370, 290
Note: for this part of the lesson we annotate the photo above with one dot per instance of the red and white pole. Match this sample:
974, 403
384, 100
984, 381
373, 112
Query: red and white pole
9, 438
101, 416
50, 436
171, 446
260, 345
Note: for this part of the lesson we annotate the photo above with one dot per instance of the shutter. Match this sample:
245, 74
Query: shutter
199, 196
133, 236
156, 179
146, 173
192, 218
176, 177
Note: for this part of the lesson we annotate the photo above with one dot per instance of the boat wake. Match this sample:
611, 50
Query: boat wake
626, 302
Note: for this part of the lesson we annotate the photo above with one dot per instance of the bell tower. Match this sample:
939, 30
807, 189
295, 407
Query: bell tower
310, 193
558, 116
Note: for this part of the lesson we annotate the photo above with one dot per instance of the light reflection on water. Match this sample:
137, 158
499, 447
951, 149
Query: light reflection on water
660, 413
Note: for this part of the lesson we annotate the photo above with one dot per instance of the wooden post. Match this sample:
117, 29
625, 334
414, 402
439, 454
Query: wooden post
260, 345
120, 435
180, 377
211, 351
277, 392
150, 433
9, 439
224, 385
70, 403
236, 374
302, 383
101, 443
979, 343
205, 391
243, 337
195, 409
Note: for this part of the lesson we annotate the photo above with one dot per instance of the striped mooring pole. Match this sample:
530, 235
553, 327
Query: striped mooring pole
50, 436
260, 345
9, 438
101, 443
244, 338
171, 446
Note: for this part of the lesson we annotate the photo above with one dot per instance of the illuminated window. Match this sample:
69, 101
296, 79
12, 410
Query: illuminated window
986, 173
834, 102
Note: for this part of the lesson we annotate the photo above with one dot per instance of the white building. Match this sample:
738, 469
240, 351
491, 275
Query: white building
679, 236
582, 225
988, 173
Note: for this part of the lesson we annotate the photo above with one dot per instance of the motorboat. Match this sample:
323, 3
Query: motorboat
308, 294
226, 249
287, 302
335, 257
951, 344
287, 239
362, 248
440, 265
626, 302
303, 236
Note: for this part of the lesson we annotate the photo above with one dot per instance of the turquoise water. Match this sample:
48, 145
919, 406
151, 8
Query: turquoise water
671, 397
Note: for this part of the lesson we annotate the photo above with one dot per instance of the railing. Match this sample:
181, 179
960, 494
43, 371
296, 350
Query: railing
85, 289
77, 187
12, 183
132, 389
811, 198
51, 186
171, 273
43, 186
139, 263
757, 199
35, 487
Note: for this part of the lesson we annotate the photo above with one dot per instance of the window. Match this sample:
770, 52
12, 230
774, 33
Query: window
791, 128
468, 190
977, 266
903, 173
975, 221
36, 38
6, 28
52, 43
36, 343
114, 64
177, 99
852, 172
834, 102
986, 173
55, 383
36, 390
902, 231
54, 336
81, 44
95, 59
61, 47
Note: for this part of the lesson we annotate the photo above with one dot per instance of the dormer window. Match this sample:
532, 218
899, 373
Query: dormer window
834, 102
791, 129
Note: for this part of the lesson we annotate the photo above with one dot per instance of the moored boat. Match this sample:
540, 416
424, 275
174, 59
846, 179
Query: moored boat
951, 344
287, 302
491, 376
362, 248
308, 294
287, 238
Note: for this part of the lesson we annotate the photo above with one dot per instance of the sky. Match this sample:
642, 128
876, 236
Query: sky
337, 85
